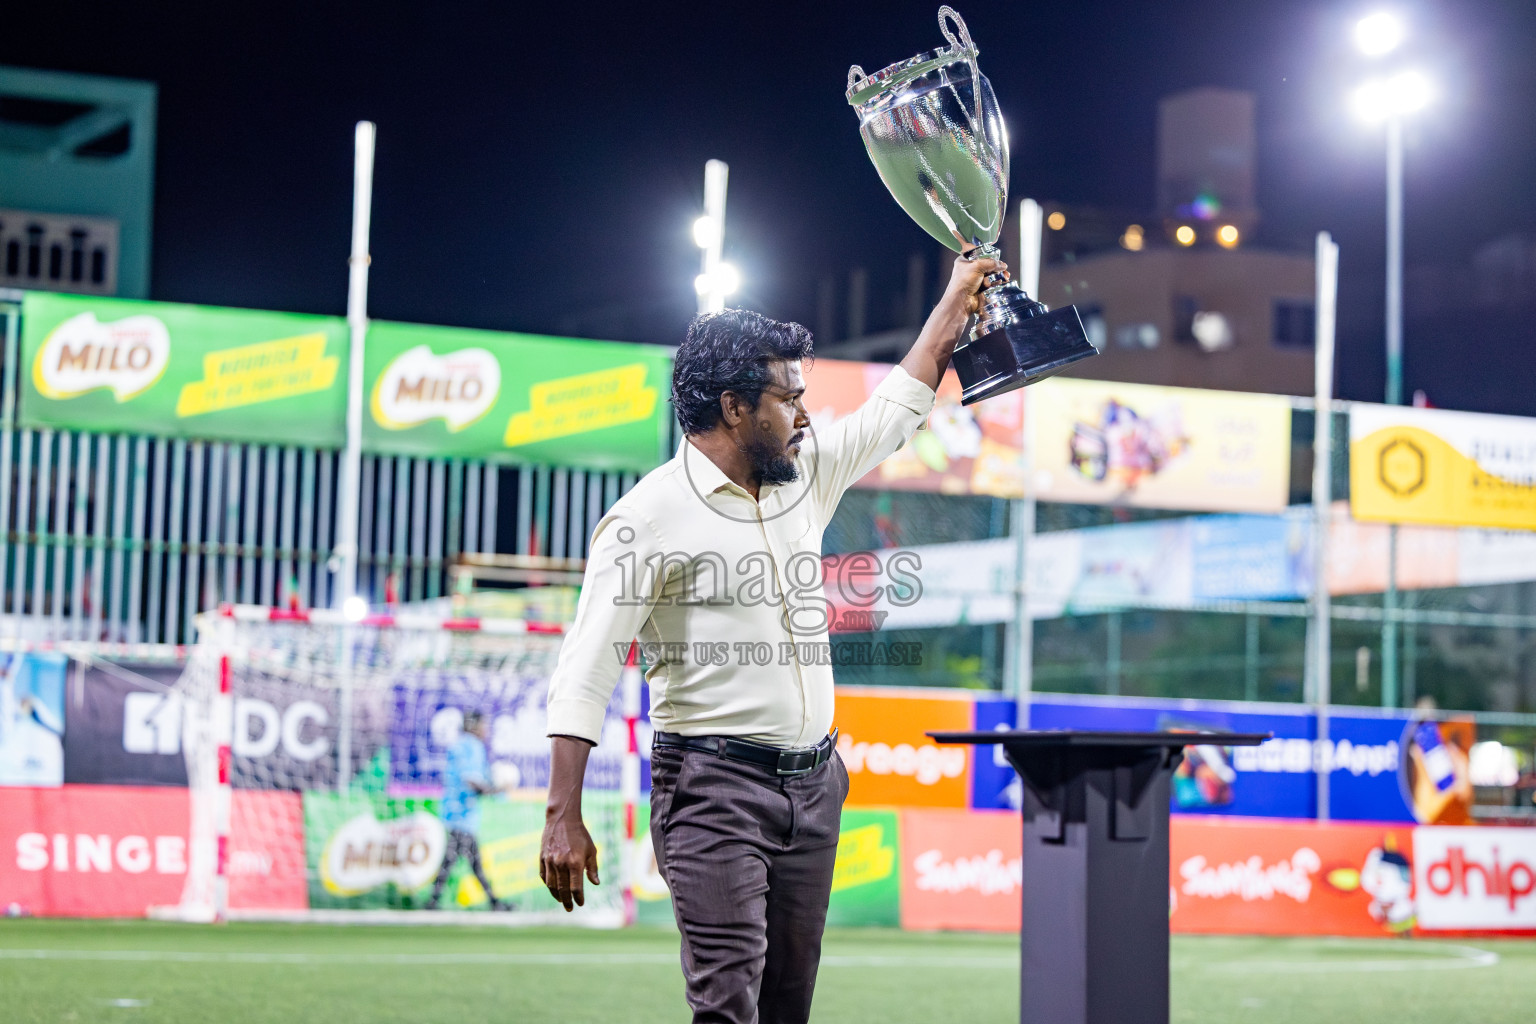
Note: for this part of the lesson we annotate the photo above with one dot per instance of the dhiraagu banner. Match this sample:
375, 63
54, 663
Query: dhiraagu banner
520, 397
1447, 468
117, 365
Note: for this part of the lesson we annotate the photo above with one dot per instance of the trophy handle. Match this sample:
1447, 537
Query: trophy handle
960, 42
856, 77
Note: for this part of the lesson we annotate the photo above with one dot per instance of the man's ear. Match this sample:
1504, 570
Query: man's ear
733, 409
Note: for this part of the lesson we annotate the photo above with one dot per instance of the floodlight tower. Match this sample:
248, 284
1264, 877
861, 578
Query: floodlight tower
1391, 99
717, 279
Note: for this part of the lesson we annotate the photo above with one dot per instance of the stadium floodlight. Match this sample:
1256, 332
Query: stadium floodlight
716, 279
1391, 99
1406, 92
706, 232
1378, 34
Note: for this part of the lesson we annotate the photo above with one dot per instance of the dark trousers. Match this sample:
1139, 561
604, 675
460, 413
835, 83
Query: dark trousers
748, 857
460, 844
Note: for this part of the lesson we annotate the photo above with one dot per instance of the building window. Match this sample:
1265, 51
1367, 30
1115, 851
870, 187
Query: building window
1137, 336
1184, 309
1295, 323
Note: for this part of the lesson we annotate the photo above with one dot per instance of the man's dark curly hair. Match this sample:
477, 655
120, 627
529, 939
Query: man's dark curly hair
729, 351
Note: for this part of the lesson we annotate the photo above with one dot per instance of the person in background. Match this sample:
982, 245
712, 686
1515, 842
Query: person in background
465, 778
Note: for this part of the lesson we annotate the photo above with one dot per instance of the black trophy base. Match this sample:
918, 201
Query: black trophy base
1020, 353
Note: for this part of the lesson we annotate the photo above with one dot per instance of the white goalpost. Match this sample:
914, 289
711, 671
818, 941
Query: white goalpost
274, 700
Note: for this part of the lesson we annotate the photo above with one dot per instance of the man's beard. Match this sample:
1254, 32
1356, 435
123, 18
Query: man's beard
770, 464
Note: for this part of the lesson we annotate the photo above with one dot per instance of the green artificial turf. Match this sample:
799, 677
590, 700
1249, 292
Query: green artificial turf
154, 973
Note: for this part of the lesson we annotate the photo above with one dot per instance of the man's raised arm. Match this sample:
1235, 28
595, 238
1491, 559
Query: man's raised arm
930, 353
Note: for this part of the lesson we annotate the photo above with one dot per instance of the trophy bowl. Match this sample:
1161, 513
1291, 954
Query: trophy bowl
933, 130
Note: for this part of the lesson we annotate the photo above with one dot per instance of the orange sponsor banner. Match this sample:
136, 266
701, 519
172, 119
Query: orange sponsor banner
961, 870
890, 760
1260, 877
964, 870
964, 449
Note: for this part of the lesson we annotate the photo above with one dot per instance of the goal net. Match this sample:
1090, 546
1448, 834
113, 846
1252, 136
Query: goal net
322, 759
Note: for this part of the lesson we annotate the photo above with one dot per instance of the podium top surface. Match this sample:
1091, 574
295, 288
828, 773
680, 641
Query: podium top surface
1081, 738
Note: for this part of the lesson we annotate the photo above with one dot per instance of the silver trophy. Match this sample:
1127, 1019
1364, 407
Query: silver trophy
934, 132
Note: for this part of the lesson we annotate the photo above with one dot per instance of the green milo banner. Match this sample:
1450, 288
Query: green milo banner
455, 391
116, 365
209, 373
372, 852
866, 881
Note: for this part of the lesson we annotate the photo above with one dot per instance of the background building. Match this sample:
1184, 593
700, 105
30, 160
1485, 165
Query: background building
77, 166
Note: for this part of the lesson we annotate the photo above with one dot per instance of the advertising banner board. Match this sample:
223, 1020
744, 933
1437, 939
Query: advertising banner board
1475, 878
116, 851
32, 720
961, 869
374, 852
866, 881
1293, 878
963, 450
450, 391
1100, 443
1373, 759
1448, 468
211, 373
125, 726
964, 870
172, 370
891, 763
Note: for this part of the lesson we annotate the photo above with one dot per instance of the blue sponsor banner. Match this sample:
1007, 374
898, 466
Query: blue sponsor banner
994, 783
1250, 558
1273, 780
426, 721
32, 719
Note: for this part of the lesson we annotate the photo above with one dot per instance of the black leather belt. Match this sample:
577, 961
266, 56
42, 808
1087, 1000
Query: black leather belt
784, 761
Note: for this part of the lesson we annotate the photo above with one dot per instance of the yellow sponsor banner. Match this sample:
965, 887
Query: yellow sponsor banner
262, 372
1102, 443
862, 858
585, 402
1446, 468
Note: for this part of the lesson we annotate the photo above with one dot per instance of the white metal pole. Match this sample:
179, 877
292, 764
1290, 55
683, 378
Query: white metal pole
352, 458
1389, 668
345, 563
1322, 503
716, 174
1031, 228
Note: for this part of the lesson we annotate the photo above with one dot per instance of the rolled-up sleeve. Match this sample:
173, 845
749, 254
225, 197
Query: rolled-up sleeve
860, 441
617, 595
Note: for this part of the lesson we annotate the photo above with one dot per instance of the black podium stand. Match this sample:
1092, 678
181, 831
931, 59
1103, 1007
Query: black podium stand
1094, 934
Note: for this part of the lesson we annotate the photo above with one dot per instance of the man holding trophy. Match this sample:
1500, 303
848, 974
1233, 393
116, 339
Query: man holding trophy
747, 788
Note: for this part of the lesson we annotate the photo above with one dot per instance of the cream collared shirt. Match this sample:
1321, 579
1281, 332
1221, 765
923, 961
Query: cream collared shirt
723, 592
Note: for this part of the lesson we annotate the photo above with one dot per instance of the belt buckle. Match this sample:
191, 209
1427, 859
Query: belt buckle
796, 757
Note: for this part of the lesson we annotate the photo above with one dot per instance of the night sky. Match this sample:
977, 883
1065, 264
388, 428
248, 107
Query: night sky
539, 171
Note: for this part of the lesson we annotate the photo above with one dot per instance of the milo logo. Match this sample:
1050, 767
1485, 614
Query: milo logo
365, 853
418, 385
82, 354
